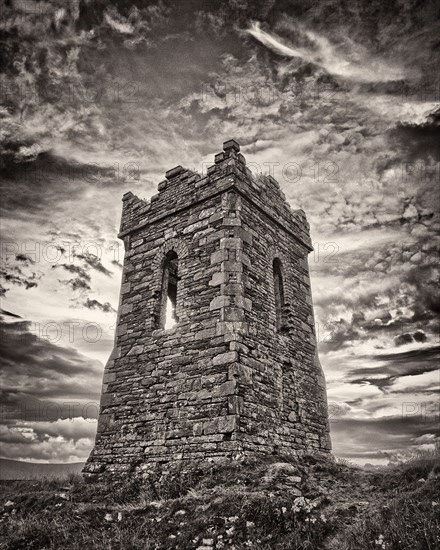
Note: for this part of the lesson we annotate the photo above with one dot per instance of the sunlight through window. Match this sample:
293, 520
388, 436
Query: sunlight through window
170, 315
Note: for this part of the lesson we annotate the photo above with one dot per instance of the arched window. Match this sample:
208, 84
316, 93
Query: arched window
168, 317
279, 293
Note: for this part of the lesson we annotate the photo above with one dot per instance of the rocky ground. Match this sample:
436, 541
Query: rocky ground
272, 503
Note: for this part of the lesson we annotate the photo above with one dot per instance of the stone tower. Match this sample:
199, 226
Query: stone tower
238, 373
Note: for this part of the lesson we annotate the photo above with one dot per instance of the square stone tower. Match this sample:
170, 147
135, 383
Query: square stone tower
225, 258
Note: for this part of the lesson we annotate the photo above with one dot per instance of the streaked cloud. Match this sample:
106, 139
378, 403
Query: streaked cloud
353, 64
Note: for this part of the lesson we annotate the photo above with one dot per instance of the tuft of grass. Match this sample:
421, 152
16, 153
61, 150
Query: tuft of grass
421, 465
408, 518
410, 521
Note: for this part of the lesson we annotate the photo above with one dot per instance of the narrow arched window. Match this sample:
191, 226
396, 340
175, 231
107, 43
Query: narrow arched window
168, 317
279, 293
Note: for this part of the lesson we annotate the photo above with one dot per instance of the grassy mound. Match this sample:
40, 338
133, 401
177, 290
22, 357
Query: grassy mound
271, 503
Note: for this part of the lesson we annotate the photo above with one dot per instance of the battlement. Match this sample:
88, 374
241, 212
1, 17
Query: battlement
183, 188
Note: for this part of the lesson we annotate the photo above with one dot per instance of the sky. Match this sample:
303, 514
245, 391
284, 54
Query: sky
338, 101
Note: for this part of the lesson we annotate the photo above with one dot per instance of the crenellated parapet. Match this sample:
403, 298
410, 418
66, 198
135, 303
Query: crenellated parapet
183, 188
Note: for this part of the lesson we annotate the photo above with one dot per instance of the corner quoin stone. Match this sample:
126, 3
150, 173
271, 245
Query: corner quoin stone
238, 374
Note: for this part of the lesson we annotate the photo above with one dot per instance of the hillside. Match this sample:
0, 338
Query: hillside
273, 503
15, 469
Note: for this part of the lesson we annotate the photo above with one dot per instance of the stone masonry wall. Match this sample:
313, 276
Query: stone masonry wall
223, 381
285, 409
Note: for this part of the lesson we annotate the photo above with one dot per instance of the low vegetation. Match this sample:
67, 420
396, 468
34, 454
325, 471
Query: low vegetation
266, 504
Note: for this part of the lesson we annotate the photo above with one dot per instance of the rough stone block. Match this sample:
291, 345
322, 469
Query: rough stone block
126, 308
219, 256
162, 185
174, 172
235, 404
228, 388
223, 424
218, 279
225, 358
231, 145
241, 373
107, 399
219, 302
205, 334
125, 288
136, 350
109, 377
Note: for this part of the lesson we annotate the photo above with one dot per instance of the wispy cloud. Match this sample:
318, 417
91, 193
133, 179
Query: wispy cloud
78, 270
397, 365
354, 64
118, 23
94, 262
95, 304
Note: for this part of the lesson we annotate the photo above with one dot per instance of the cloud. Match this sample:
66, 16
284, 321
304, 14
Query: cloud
383, 439
354, 64
15, 276
64, 440
77, 284
407, 338
9, 314
37, 368
140, 24
276, 45
81, 282
94, 262
74, 269
24, 258
33, 187
117, 22
420, 141
49, 397
396, 365
94, 304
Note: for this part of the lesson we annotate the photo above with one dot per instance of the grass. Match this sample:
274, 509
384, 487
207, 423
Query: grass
270, 503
